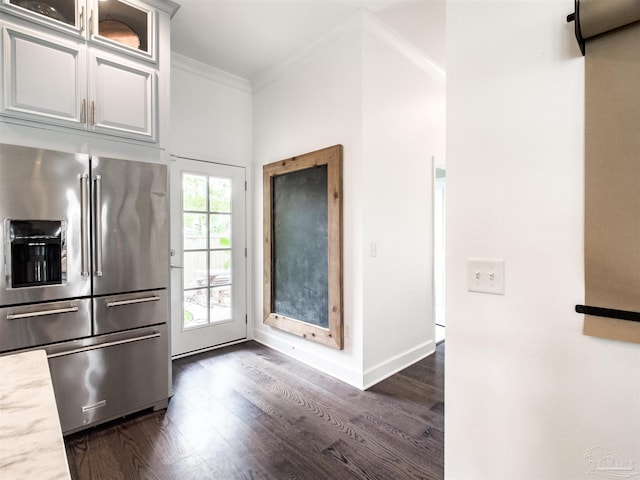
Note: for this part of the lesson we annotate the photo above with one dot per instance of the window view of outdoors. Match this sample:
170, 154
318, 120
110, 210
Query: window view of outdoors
206, 227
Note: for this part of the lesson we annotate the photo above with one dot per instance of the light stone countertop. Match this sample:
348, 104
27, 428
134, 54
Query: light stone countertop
31, 444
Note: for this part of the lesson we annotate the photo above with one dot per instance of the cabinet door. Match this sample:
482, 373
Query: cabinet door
123, 97
128, 26
63, 15
44, 78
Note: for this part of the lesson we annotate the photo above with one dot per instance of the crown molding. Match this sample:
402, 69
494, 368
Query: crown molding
168, 6
362, 21
350, 27
210, 73
390, 37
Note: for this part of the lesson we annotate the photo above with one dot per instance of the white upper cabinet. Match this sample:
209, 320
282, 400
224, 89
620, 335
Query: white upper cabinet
45, 77
123, 100
128, 26
87, 65
63, 15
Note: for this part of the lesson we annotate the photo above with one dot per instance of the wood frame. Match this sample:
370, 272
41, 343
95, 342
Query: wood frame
332, 158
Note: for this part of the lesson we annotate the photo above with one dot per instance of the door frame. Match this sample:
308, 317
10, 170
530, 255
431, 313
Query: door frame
438, 165
249, 242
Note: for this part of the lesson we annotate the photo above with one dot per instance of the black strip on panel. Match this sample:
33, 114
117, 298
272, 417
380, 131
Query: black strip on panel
609, 313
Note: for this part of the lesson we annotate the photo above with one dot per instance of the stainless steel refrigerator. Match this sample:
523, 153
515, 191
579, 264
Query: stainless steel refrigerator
85, 277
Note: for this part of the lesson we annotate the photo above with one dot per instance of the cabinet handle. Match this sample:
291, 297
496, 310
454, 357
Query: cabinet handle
93, 112
91, 22
119, 303
42, 313
97, 190
83, 112
104, 345
84, 225
82, 19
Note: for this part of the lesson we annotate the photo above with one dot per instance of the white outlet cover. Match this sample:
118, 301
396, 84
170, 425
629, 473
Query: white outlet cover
347, 330
485, 275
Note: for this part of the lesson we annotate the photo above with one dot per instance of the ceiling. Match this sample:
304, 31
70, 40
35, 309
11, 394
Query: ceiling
248, 37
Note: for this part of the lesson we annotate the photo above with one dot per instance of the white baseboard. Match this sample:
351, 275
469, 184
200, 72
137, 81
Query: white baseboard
387, 368
338, 370
313, 359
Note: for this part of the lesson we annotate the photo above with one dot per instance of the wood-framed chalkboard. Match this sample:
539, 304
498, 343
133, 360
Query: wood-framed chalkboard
303, 246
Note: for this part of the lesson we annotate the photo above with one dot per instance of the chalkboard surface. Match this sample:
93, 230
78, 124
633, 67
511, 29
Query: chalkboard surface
300, 246
302, 220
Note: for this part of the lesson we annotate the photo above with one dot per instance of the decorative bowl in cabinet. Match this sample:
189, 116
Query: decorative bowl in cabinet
119, 32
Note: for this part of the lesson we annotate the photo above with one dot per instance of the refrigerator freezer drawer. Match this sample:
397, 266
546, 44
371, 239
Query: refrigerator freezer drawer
43, 323
109, 377
122, 312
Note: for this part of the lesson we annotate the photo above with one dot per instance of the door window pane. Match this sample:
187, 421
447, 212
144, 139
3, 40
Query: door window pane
219, 194
220, 267
220, 230
195, 270
195, 308
194, 193
194, 228
207, 250
220, 304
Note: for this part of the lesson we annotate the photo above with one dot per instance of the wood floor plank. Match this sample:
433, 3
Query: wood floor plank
248, 412
350, 400
424, 450
374, 464
199, 422
193, 467
395, 445
240, 423
273, 413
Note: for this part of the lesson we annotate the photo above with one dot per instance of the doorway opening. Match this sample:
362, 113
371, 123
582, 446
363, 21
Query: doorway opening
439, 229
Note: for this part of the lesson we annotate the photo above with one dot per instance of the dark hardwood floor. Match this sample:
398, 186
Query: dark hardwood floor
248, 412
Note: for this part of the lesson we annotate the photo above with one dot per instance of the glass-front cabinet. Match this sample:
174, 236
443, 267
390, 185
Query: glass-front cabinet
124, 25
63, 12
89, 65
127, 26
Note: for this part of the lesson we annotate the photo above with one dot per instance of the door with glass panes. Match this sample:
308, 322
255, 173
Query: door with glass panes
208, 263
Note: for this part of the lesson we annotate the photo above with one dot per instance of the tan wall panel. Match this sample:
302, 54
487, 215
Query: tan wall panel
612, 177
599, 16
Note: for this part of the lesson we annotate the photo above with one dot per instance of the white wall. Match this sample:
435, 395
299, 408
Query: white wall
403, 125
315, 105
527, 394
363, 88
211, 120
211, 114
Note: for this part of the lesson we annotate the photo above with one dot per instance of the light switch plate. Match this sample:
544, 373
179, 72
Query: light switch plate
485, 275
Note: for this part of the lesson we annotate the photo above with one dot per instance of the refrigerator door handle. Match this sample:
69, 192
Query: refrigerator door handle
98, 225
118, 303
84, 225
41, 313
104, 345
